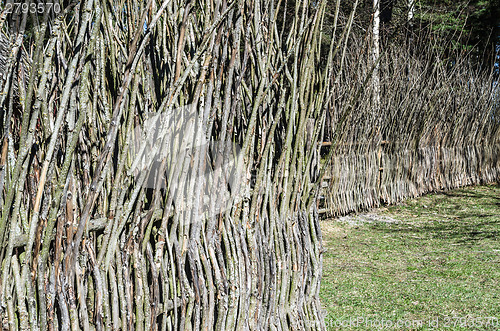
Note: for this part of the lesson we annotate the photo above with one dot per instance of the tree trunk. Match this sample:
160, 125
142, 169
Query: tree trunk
411, 11
376, 56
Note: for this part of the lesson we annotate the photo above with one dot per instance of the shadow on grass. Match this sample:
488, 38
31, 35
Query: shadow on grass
472, 193
478, 221
456, 232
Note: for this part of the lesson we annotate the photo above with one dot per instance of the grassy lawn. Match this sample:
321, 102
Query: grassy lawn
428, 263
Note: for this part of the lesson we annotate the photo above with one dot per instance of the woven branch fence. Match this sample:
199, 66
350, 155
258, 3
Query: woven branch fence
437, 127
159, 165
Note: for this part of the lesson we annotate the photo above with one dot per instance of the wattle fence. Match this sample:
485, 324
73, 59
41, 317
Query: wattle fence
368, 180
437, 128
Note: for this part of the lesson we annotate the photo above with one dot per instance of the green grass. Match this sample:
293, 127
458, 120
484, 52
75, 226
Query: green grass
439, 264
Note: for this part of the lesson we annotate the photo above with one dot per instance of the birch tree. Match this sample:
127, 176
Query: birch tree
411, 11
376, 56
